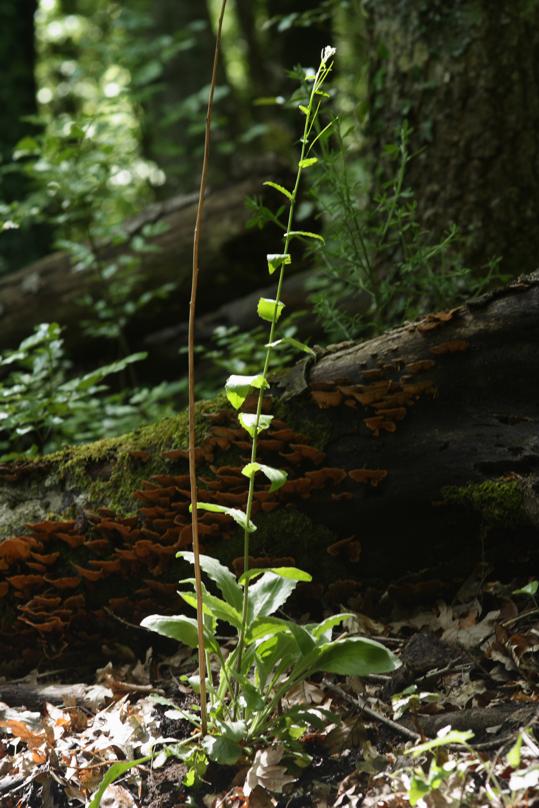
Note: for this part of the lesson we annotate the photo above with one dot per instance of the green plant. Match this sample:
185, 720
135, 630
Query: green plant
247, 701
379, 266
79, 169
270, 654
41, 408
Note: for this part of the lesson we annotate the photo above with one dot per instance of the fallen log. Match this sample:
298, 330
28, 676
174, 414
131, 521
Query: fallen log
418, 449
230, 255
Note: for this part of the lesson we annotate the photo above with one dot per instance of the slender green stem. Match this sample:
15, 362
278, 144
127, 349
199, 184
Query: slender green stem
310, 118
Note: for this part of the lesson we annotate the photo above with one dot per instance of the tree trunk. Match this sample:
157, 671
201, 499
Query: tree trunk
17, 100
416, 450
232, 257
465, 74
173, 112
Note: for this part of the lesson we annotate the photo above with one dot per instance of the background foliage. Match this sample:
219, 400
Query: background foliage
111, 119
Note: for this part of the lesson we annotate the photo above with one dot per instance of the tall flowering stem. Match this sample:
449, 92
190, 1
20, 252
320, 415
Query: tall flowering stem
270, 310
191, 378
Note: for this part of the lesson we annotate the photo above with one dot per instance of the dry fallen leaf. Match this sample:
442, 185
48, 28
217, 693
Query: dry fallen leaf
266, 772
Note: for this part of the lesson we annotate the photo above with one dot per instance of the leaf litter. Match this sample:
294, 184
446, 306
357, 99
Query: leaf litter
455, 726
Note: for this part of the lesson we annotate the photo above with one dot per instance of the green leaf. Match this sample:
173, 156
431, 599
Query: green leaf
269, 594
115, 771
178, 627
277, 477
220, 575
513, 756
530, 589
322, 631
248, 420
295, 343
238, 516
276, 260
356, 656
222, 750
279, 188
291, 573
304, 234
303, 109
237, 387
418, 789
269, 309
444, 737
308, 161
214, 606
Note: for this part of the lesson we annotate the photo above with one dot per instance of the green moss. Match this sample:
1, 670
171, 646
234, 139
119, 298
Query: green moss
500, 502
106, 470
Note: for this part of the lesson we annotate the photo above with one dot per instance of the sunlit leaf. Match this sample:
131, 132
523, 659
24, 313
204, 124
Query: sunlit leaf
514, 754
216, 607
276, 260
308, 161
237, 387
304, 234
292, 573
294, 343
279, 188
356, 656
222, 750
179, 627
277, 477
235, 513
248, 421
268, 594
445, 736
115, 771
269, 309
219, 574
303, 109
530, 589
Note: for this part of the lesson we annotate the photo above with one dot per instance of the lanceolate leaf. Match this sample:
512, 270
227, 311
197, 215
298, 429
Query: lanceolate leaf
235, 513
248, 422
268, 594
237, 387
216, 607
295, 343
279, 188
219, 574
292, 573
115, 771
180, 628
308, 161
355, 656
276, 260
269, 309
304, 234
277, 477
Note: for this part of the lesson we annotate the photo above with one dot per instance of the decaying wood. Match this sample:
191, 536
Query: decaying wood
51, 284
416, 449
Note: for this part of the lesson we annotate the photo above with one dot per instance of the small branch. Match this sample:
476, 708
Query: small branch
191, 375
359, 704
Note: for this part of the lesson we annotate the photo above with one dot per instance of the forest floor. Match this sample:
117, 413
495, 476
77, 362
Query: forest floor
456, 725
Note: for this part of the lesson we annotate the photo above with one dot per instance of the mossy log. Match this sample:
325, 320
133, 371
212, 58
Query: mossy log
418, 449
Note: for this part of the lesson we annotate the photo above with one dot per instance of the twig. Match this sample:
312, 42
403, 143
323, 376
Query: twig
191, 378
359, 704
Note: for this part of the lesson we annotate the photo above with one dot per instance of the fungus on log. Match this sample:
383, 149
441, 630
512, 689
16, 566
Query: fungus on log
416, 449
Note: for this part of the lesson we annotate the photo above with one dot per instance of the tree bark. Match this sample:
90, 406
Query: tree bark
415, 450
17, 100
230, 254
465, 75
